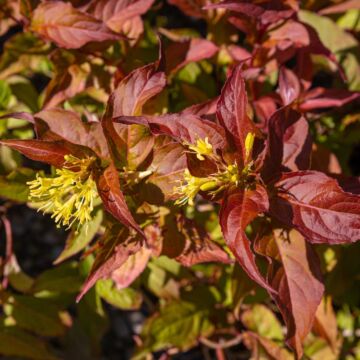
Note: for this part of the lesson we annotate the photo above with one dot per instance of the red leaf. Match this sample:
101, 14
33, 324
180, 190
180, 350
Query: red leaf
182, 127
320, 98
193, 8
267, 11
205, 108
317, 206
237, 211
19, 115
180, 53
299, 286
289, 86
50, 152
116, 13
167, 167
108, 185
128, 99
116, 250
137, 88
68, 27
288, 143
325, 323
340, 7
232, 111
69, 126
131, 268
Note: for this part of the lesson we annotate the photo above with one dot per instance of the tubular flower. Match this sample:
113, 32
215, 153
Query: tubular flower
227, 175
70, 195
249, 144
202, 148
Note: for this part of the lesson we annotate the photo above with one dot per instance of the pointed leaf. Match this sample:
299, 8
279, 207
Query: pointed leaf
180, 53
232, 112
237, 211
68, 27
183, 128
113, 199
116, 250
50, 152
289, 86
317, 206
288, 145
299, 285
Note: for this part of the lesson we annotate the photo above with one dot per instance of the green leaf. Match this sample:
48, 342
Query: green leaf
16, 342
340, 42
262, 321
178, 324
125, 299
64, 278
5, 94
27, 94
78, 241
13, 186
37, 315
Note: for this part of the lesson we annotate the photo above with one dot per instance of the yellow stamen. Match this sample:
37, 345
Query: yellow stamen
202, 148
70, 195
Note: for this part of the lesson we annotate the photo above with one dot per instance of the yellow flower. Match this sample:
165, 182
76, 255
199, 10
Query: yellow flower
202, 148
70, 195
249, 143
188, 188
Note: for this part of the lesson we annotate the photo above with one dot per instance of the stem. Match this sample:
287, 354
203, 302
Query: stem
222, 344
9, 246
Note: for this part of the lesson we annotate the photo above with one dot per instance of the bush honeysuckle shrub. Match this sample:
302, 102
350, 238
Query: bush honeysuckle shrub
202, 158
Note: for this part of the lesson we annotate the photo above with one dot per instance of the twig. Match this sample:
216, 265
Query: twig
222, 344
9, 246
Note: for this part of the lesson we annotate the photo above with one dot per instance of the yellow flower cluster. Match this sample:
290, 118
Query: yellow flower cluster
215, 183
202, 148
70, 195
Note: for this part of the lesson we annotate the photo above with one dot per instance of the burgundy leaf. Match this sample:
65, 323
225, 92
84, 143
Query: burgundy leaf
288, 143
70, 127
265, 11
320, 98
115, 13
167, 167
19, 115
180, 53
183, 127
198, 246
340, 7
237, 211
289, 86
232, 112
68, 27
317, 206
203, 109
137, 88
114, 253
50, 152
131, 268
193, 8
108, 185
299, 285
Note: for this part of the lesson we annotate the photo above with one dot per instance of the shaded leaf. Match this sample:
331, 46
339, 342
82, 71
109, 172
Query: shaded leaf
16, 342
77, 241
